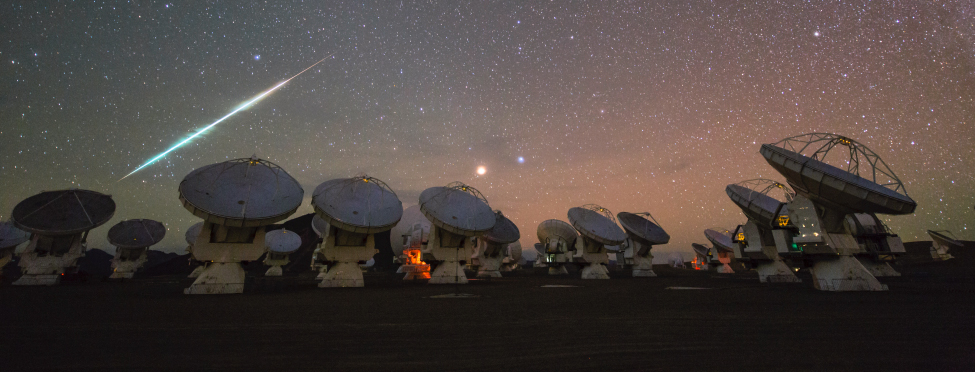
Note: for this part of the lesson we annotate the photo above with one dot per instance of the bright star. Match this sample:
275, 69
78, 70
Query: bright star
481, 170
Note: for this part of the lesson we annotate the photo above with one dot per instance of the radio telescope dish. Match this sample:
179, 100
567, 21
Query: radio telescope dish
133, 238
244, 192
457, 208
942, 244
644, 232
867, 185
236, 199
701, 257
11, 236
723, 248
752, 196
60, 221
596, 223
359, 204
556, 230
490, 251
700, 250
137, 233
503, 232
598, 229
557, 241
63, 212
826, 195
356, 209
457, 212
282, 241
721, 239
193, 232
319, 226
643, 226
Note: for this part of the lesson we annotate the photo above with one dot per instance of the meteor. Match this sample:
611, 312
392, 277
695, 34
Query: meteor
243, 106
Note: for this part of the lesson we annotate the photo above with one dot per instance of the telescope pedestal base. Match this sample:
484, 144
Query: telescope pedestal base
448, 272
777, 269
643, 266
878, 269
30, 279
219, 278
843, 273
415, 271
558, 270
196, 272
126, 269
725, 269
595, 271
343, 274
274, 271
490, 266
122, 275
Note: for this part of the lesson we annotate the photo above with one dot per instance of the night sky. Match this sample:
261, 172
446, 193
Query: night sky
631, 106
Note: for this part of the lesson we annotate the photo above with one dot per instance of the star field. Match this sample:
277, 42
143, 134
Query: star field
629, 105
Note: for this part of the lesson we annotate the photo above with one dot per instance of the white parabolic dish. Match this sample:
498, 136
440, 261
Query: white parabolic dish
643, 228
11, 236
136, 233
457, 210
941, 238
244, 192
757, 206
193, 232
358, 204
504, 231
282, 241
596, 226
556, 229
719, 240
700, 249
63, 212
822, 181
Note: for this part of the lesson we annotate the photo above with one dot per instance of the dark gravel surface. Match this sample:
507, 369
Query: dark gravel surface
925, 322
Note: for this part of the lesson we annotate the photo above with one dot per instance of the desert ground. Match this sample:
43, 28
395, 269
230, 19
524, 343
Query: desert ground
527, 320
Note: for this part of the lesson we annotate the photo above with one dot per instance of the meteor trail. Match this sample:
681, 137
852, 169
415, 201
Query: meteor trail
238, 109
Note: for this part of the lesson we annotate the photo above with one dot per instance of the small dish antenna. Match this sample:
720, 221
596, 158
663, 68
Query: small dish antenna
60, 221
133, 239
643, 232
765, 203
513, 257
943, 242
414, 230
702, 256
457, 212
280, 244
236, 200
557, 240
598, 229
724, 248
491, 247
356, 209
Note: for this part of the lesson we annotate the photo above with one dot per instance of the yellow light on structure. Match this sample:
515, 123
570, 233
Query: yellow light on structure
741, 236
783, 221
